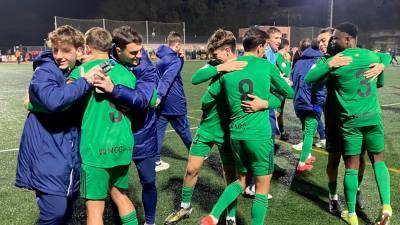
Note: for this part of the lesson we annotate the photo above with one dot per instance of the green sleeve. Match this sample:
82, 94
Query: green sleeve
36, 108
153, 100
385, 58
283, 65
320, 70
204, 74
75, 74
381, 80
281, 86
274, 102
215, 87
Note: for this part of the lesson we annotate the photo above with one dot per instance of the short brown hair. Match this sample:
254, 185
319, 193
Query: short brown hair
219, 39
65, 35
173, 38
98, 38
253, 38
272, 30
122, 36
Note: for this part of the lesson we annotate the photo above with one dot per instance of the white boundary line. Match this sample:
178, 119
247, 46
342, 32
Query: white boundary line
9, 150
391, 104
16, 149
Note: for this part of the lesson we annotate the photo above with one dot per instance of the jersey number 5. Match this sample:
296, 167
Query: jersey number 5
249, 89
364, 82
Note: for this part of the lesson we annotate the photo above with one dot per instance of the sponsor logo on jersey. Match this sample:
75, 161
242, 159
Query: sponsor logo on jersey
113, 150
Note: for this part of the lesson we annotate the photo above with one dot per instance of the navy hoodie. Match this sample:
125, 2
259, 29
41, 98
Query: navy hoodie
170, 85
307, 98
48, 157
138, 100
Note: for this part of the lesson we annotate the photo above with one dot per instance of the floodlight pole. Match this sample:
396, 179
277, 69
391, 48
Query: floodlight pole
184, 33
147, 32
331, 15
55, 22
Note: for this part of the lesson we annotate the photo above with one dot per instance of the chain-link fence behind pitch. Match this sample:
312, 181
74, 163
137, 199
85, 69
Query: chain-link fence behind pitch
299, 33
152, 32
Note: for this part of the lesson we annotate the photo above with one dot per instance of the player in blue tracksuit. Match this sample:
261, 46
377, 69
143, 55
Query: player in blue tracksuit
308, 101
171, 102
141, 101
48, 158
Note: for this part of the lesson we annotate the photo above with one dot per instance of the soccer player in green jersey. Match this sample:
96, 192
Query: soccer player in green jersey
106, 140
284, 66
213, 129
250, 133
359, 115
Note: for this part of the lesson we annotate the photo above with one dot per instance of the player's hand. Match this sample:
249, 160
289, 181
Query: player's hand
376, 69
26, 100
158, 102
91, 75
256, 104
231, 66
339, 60
103, 83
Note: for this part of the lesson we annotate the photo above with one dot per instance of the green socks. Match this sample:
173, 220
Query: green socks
332, 186
229, 195
350, 188
130, 219
310, 126
186, 196
232, 208
383, 180
259, 209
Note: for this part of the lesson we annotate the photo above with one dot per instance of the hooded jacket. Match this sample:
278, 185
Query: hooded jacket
307, 98
139, 101
48, 158
170, 85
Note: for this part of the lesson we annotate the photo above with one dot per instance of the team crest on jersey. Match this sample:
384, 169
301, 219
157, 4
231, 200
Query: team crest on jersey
284, 65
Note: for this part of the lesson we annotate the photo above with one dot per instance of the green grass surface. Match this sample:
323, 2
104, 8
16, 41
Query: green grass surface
298, 198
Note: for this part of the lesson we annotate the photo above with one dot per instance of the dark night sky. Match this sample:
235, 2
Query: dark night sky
28, 21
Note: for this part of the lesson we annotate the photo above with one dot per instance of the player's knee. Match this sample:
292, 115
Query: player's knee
53, 215
148, 184
192, 171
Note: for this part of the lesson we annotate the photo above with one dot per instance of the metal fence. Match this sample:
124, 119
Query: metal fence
152, 32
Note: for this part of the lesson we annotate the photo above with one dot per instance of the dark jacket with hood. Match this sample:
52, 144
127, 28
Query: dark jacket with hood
307, 98
170, 85
48, 158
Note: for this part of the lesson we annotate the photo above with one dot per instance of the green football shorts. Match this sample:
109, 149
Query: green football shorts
95, 181
371, 138
202, 145
255, 156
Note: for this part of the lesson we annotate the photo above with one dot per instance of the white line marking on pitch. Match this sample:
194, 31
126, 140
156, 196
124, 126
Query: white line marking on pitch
391, 104
9, 150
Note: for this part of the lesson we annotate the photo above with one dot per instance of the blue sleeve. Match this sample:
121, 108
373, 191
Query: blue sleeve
166, 80
48, 92
140, 97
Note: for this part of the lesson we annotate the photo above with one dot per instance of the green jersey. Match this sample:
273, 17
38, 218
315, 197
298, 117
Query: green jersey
256, 79
215, 121
283, 65
106, 138
355, 96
